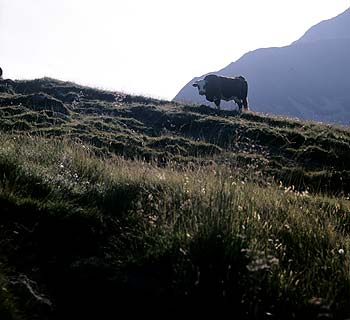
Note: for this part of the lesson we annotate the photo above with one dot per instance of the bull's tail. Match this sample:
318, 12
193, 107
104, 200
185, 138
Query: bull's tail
245, 104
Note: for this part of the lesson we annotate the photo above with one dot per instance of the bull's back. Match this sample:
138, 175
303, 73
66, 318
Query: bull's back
233, 87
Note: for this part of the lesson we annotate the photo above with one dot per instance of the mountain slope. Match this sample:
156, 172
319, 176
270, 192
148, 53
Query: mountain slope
336, 28
308, 79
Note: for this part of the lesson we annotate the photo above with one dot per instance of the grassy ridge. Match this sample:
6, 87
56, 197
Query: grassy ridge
304, 154
114, 203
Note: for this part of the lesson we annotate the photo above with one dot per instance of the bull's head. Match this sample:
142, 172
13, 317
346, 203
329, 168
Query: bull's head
200, 84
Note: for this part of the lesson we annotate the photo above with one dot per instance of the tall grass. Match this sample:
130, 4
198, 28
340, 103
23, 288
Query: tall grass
98, 236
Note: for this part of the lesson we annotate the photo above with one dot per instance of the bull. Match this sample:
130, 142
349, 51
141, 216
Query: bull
217, 88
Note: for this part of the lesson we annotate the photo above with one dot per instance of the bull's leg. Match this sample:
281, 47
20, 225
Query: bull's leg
245, 104
239, 103
217, 102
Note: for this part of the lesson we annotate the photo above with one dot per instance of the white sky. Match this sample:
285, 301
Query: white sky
151, 47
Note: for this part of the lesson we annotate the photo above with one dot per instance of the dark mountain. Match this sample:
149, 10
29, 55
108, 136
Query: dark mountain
308, 79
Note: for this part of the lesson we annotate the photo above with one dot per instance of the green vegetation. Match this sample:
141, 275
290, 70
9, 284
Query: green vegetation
112, 203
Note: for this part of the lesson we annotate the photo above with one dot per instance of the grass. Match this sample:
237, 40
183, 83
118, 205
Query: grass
100, 233
295, 152
153, 208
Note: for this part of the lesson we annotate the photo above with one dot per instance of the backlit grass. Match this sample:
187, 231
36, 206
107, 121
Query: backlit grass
91, 236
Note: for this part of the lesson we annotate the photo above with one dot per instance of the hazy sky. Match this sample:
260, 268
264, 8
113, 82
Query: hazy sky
151, 47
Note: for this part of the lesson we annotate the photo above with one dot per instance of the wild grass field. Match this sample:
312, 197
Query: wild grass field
114, 203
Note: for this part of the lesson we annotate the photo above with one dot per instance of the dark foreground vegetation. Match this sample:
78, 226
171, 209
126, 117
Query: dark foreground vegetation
112, 203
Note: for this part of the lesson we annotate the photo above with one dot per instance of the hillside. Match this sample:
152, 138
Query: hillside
307, 79
115, 203
306, 154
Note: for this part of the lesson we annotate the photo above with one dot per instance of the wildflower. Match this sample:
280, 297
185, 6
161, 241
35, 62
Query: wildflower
256, 216
152, 219
274, 261
316, 301
257, 265
183, 251
186, 205
305, 193
161, 176
341, 251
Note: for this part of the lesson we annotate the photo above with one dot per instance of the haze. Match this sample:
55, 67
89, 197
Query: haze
145, 47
